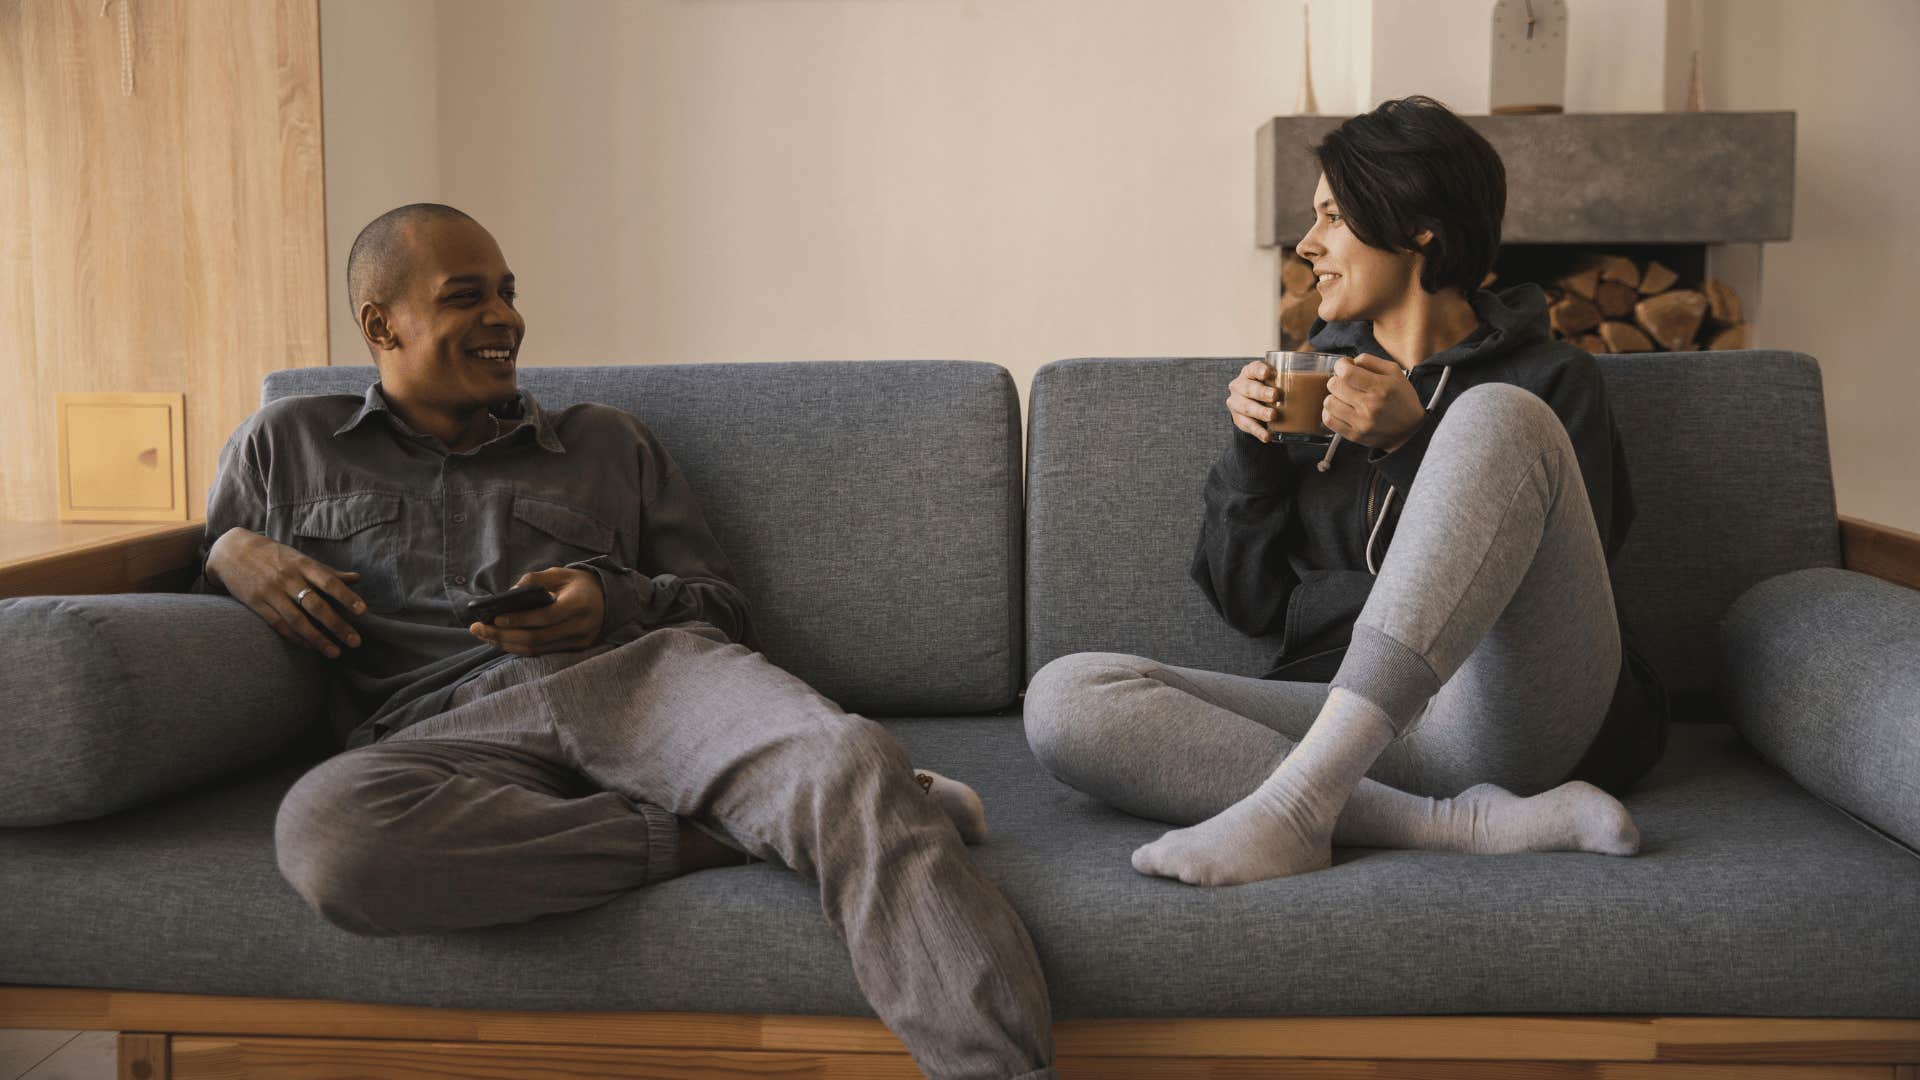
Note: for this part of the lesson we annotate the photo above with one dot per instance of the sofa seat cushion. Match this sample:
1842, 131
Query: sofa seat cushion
1752, 897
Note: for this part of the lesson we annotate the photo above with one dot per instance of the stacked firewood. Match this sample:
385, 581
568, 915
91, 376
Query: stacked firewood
1611, 304
1616, 305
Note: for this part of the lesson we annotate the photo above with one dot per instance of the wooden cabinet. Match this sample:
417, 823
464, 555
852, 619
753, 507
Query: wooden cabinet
171, 240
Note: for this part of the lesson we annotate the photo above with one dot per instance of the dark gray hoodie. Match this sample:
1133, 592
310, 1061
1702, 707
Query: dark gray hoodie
1283, 546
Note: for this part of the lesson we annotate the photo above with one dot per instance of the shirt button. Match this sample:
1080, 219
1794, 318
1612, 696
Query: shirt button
459, 579
459, 519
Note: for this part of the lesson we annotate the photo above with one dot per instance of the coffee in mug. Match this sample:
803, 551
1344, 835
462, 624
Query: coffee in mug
1301, 379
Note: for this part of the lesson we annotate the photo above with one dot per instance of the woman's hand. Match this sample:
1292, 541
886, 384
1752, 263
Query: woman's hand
1250, 400
1371, 401
571, 622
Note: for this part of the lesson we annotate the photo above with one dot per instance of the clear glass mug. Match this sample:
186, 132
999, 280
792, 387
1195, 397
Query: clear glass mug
1301, 379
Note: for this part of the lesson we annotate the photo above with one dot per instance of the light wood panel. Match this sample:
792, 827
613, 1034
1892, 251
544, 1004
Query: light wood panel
1737, 1042
1881, 550
173, 240
1260, 1069
323, 1059
320, 1059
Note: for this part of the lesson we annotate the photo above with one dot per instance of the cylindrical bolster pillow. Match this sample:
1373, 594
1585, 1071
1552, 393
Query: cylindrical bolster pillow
1820, 669
109, 701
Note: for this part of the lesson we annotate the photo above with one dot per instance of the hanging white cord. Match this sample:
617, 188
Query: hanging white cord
126, 43
1388, 501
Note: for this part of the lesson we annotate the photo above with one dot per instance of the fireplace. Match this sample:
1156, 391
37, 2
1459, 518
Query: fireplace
1644, 229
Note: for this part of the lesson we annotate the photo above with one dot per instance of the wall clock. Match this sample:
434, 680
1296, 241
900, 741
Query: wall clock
1529, 56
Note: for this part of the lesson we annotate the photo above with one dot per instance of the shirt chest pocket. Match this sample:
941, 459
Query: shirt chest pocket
553, 534
355, 533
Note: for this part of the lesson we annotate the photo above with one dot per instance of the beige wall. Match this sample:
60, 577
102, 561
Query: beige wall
382, 105
1024, 180
1004, 181
1843, 289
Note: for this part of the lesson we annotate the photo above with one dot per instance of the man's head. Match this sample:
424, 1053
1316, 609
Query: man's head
434, 300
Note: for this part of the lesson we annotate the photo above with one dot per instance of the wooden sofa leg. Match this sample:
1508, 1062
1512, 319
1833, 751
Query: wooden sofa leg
142, 1057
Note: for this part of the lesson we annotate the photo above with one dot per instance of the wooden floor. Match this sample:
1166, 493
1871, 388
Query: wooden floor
188, 1037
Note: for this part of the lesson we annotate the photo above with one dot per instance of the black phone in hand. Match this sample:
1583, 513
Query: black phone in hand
482, 609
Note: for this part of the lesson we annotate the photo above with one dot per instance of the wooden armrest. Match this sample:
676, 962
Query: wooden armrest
157, 559
1881, 550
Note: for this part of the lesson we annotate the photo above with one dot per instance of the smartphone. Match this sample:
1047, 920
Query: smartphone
482, 609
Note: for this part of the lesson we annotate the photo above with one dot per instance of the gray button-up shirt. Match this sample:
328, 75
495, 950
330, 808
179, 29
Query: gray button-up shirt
345, 481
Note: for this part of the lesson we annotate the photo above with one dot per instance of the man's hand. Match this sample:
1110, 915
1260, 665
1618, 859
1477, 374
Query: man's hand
1250, 400
571, 622
1371, 401
283, 587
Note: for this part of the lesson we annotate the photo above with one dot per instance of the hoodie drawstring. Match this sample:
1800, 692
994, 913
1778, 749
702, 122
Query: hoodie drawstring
1387, 503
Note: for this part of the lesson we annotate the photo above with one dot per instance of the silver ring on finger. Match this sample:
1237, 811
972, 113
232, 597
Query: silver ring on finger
300, 597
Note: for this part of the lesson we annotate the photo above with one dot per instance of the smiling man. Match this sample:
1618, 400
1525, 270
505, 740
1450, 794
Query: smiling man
550, 760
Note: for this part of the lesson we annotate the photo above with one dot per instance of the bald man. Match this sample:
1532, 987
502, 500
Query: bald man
549, 760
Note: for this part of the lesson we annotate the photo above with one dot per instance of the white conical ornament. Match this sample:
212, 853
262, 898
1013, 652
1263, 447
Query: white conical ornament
1306, 105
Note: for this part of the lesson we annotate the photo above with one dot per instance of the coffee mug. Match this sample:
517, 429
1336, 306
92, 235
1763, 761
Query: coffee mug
1301, 378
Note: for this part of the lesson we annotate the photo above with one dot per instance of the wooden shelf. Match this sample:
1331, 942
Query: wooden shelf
57, 558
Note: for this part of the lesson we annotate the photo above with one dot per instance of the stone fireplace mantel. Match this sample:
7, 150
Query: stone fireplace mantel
1587, 178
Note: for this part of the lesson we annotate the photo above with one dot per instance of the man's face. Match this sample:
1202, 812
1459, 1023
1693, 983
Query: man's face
454, 323
1365, 281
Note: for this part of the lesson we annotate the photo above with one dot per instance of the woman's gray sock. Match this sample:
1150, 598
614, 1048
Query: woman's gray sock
1489, 820
1286, 825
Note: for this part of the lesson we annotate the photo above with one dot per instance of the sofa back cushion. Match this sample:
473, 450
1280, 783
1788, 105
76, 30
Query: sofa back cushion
1117, 451
871, 510
1732, 486
1727, 453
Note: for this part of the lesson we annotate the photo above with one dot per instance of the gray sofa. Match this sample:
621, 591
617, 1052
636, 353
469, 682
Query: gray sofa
875, 513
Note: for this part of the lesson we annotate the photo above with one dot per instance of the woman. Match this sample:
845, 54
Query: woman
1480, 474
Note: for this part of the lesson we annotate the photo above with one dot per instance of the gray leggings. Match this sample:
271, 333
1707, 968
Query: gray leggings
1489, 637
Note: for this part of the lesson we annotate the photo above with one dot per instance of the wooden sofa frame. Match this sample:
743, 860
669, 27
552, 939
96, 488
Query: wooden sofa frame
190, 1036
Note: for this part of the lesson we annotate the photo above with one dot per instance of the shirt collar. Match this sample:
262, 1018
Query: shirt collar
523, 407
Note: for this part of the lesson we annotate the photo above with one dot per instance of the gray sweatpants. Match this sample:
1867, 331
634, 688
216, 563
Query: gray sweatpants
553, 784
1489, 638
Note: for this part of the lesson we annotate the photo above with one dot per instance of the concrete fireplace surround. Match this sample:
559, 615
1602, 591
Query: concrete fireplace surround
1630, 178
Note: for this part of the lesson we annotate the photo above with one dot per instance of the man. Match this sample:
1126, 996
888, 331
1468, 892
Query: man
555, 758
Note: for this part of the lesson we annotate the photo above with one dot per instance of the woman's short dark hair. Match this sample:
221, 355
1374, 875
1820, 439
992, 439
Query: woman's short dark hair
1411, 164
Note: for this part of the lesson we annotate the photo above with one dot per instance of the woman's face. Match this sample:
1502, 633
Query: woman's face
1356, 281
